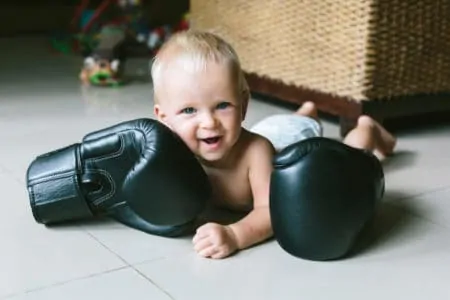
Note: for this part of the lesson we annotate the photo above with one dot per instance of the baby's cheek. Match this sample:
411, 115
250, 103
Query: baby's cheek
188, 136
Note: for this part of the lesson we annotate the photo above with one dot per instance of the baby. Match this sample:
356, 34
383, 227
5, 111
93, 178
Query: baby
201, 94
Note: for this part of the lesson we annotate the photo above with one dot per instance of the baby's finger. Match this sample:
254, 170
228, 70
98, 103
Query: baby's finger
202, 232
202, 244
219, 254
200, 236
207, 252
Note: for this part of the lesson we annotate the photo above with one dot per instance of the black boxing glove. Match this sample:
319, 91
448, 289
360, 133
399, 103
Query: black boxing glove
322, 194
138, 172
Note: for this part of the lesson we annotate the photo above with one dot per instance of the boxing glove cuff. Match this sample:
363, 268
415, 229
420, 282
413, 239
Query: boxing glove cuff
53, 183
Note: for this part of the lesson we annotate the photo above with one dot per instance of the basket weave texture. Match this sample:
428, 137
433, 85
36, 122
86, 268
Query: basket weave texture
362, 50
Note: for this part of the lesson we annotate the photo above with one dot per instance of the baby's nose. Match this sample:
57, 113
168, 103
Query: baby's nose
208, 121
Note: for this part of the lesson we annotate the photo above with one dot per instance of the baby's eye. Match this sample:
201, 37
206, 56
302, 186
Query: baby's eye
223, 105
188, 110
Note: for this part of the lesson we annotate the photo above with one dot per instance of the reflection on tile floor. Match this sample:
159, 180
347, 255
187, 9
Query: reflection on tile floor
405, 256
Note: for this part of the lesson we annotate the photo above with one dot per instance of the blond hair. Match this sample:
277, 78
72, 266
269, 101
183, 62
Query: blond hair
195, 49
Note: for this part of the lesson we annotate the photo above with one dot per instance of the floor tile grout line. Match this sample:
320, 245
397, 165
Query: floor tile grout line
130, 265
7, 172
4, 170
406, 210
60, 283
116, 254
421, 217
424, 218
105, 246
126, 266
152, 282
441, 226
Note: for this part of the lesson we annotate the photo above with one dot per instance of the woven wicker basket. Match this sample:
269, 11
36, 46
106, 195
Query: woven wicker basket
357, 49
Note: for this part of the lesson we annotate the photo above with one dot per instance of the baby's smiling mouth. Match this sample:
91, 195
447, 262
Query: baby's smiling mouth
211, 140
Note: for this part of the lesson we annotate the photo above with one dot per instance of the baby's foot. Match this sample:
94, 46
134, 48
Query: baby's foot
389, 141
308, 109
385, 141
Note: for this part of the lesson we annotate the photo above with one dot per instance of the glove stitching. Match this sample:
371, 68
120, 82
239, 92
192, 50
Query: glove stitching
108, 176
111, 181
33, 205
112, 155
94, 160
52, 177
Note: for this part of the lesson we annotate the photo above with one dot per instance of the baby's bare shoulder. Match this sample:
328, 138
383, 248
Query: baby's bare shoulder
258, 145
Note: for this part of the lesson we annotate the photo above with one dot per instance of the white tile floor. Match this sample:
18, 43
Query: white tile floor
42, 108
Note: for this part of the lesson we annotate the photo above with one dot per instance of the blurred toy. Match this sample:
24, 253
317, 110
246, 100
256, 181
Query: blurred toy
61, 42
159, 35
105, 31
105, 65
140, 18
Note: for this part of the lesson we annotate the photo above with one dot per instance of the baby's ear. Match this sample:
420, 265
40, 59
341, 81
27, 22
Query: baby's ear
158, 112
160, 115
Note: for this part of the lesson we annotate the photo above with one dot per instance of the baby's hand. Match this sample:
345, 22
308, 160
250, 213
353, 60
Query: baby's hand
215, 241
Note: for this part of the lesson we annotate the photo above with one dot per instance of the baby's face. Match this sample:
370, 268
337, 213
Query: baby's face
204, 108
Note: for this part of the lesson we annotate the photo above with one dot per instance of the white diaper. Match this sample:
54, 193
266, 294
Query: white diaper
285, 129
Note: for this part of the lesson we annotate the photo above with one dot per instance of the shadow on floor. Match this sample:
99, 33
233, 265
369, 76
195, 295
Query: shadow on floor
217, 215
390, 222
401, 159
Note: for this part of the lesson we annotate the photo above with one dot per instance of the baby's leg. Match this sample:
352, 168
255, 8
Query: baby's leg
308, 109
370, 135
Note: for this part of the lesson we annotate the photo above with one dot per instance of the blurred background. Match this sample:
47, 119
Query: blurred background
75, 25
347, 57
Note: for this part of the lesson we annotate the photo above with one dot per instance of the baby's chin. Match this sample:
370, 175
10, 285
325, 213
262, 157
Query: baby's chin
212, 159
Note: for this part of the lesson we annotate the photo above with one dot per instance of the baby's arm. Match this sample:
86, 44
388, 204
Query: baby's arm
256, 226
219, 241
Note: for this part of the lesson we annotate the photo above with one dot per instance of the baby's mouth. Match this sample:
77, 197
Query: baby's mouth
211, 140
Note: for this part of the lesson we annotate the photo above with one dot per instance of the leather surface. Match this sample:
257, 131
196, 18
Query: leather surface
138, 172
53, 181
322, 194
